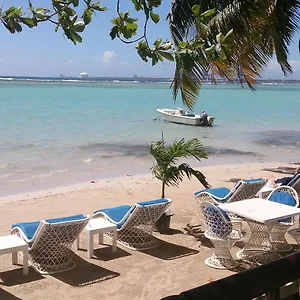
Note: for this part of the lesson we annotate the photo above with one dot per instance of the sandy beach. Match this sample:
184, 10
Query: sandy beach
176, 265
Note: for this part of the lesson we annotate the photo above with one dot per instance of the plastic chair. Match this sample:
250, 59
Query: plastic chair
244, 189
223, 233
135, 222
288, 196
50, 242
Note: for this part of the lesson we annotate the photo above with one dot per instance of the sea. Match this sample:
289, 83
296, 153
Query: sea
60, 131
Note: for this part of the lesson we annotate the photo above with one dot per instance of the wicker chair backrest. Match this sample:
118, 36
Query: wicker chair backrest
217, 220
285, 195
63, 233
145, 215
247, 190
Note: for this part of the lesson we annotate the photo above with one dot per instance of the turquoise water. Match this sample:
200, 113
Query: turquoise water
56, 133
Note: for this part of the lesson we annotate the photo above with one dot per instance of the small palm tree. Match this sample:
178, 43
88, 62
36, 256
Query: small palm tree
166, 157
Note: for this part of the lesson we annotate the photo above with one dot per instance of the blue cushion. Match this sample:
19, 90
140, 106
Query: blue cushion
116, 213
283, 198
253, 180
29, 228
217, 224
224, 213
220, 192
66, 219
150, 202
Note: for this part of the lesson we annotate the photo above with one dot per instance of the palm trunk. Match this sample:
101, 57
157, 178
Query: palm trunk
163, 189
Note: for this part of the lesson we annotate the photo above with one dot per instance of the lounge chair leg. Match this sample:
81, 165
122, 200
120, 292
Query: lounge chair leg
100, 238
90, 249
14, 258
77, 243
25, 262
114, 247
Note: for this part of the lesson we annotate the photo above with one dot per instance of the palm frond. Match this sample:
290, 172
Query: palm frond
261, 29
177, 174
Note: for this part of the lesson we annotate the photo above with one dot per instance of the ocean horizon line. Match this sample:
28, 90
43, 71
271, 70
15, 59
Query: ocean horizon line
135, 80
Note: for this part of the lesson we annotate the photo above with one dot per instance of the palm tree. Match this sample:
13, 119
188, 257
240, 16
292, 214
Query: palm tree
166, 157
234, 39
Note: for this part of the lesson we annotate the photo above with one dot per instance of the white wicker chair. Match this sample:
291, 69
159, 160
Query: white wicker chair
223, 233
285, 195
135, 222
244, 189
50, 242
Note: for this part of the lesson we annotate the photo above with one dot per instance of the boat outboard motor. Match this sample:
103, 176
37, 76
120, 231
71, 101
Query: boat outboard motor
204, 120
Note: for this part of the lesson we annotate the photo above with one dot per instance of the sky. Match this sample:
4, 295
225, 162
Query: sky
42, 52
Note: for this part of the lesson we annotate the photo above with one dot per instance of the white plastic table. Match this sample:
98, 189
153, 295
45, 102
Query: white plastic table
99, 226
261, 216
13, 244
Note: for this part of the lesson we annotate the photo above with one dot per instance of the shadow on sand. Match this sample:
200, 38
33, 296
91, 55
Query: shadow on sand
16, 277
7, 296
106, 254
169, 251
85, 273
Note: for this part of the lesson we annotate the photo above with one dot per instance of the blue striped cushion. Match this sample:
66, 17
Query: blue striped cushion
283, 198
116, 213
29, 228
150, 202
66, 219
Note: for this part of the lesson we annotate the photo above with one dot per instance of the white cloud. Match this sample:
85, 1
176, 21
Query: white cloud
107, 57
70, 62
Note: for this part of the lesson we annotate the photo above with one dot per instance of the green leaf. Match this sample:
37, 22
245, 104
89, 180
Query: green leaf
137, 5
219, 37
75, 2
228, 35
79, 26
154, 60
99, 8
30, 22
208, 13
87, 16
114, 32
166, 55
157, 42
131, 26
196, 9
155, 17
77, 37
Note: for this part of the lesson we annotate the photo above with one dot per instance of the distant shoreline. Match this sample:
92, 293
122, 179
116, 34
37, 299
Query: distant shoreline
134, 80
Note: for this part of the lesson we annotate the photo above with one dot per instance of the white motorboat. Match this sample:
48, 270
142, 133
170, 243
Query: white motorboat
181, 116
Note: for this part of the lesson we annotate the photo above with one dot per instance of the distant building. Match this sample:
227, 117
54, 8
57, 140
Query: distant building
84, 75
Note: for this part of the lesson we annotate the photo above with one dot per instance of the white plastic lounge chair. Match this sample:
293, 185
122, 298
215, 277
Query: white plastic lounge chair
244, 189
50, 242
285, 195
223, 233
135, 222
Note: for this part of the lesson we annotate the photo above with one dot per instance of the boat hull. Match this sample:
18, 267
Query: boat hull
171, 115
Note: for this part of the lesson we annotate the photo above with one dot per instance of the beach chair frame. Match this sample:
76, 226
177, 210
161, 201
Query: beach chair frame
223, 233
136, 227
279, 230
295, 184
50, 247
241, 191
